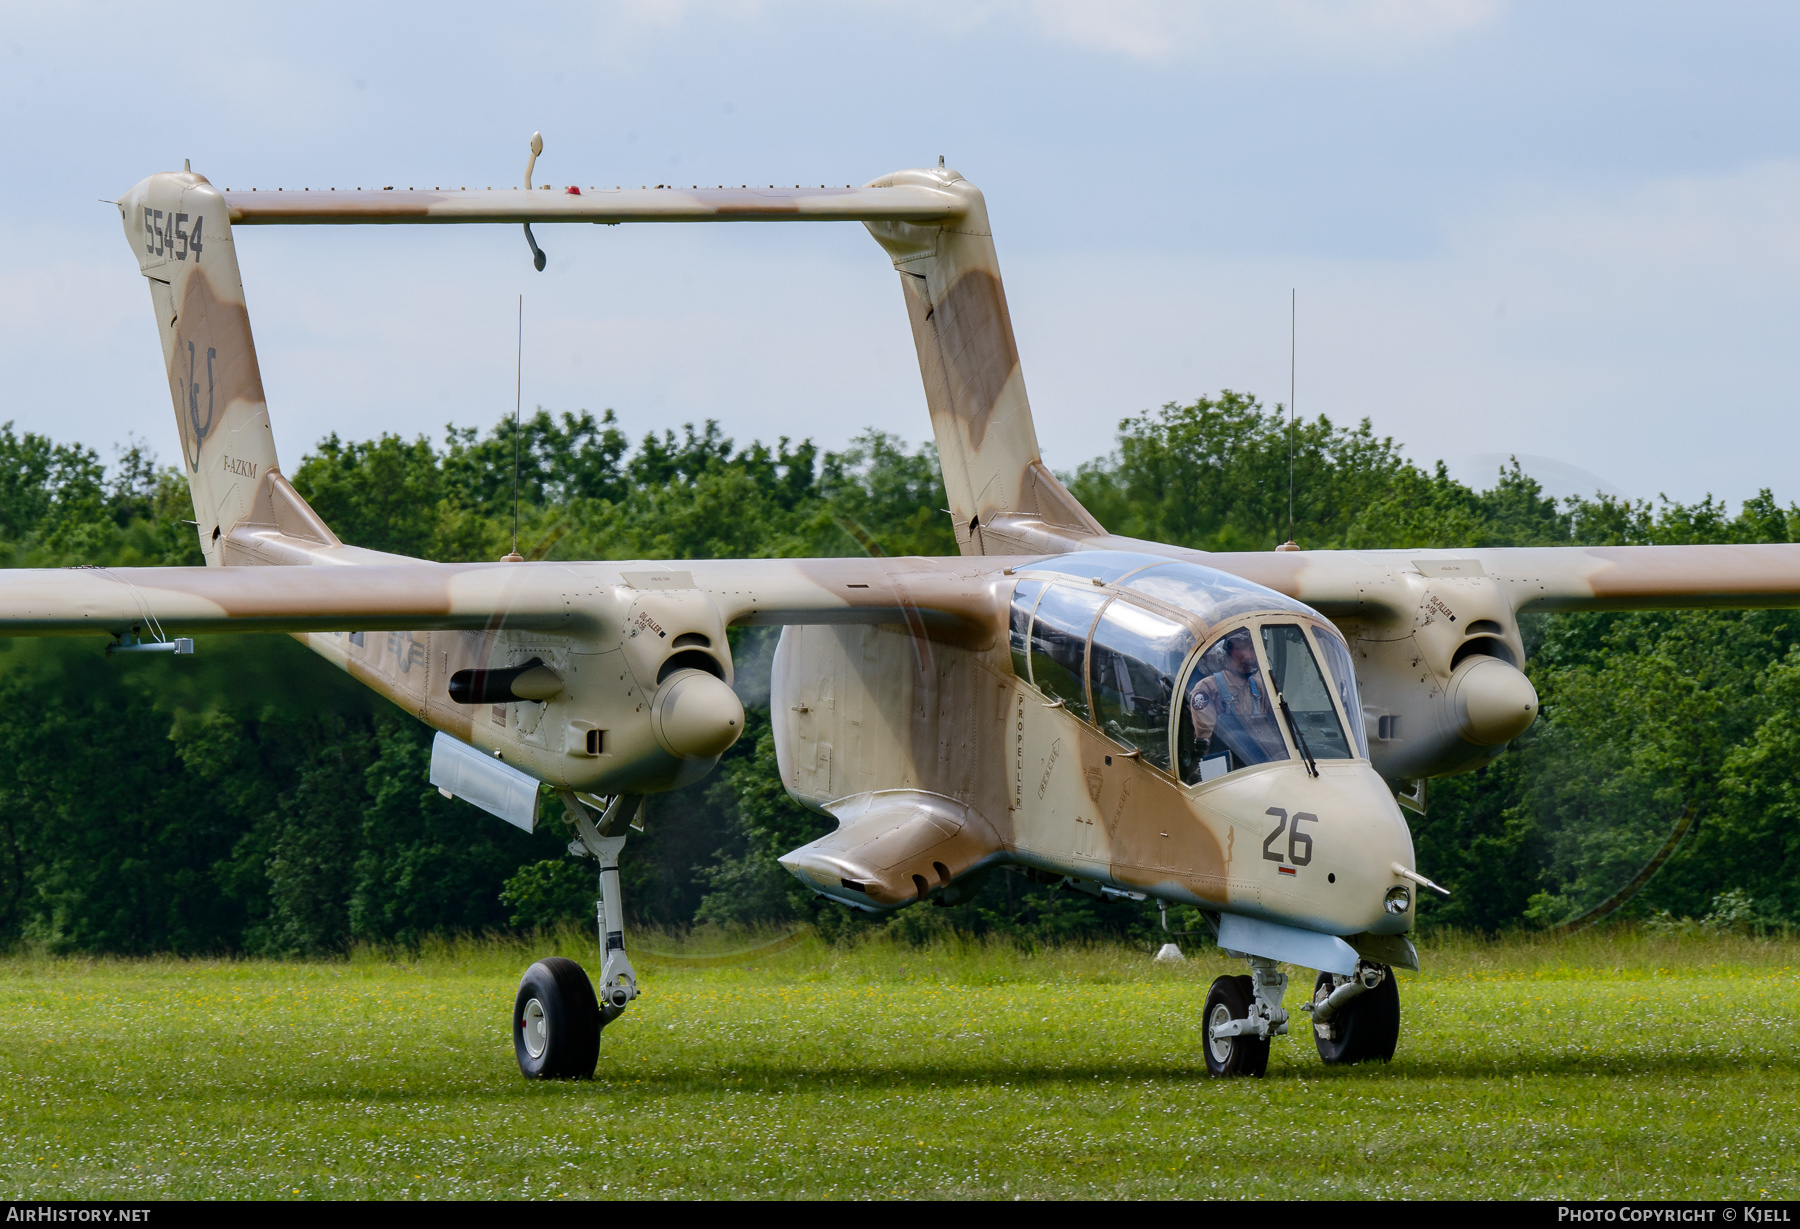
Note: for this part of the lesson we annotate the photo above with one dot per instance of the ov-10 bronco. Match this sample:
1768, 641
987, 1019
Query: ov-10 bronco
1226, 731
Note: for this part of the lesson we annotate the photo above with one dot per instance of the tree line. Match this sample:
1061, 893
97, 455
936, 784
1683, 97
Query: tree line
252, 799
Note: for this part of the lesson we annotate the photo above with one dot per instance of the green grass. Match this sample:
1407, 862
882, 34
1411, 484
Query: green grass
1605, 1067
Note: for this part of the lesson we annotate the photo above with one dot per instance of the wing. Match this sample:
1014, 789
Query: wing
898, 203
949, 598
1348, 583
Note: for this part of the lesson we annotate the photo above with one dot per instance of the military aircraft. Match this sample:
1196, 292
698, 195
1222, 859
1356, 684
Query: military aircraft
1114, 715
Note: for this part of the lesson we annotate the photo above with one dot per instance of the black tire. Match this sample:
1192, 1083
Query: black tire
1230, 999
1365, 1029
556, 1004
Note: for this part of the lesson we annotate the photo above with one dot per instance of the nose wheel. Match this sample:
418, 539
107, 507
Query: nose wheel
1356, 1019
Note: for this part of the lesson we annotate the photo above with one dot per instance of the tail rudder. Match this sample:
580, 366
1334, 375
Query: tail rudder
1005, 500
179, 226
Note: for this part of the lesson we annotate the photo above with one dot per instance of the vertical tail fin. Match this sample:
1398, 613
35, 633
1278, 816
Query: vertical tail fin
180, 228
1005, 500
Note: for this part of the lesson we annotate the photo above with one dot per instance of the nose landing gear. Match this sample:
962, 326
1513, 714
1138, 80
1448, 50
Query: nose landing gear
1354, 1019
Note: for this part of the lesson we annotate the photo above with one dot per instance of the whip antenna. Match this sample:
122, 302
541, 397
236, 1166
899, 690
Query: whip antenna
518, 387
1293, 332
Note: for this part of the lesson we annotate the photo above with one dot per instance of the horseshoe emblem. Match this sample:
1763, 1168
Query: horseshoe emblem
200, 430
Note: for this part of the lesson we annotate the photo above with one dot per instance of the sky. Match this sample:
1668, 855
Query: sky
1565, 232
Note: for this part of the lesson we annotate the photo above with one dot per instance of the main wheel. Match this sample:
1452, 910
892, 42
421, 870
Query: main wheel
1365, 1028
1246, 1054
556, 1021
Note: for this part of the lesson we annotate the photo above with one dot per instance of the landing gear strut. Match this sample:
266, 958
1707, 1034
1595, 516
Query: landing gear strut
557, 1017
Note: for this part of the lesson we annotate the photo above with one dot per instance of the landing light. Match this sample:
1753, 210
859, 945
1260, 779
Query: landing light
1398, 898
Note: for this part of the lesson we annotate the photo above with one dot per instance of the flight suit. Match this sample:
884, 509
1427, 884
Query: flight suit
1240, 712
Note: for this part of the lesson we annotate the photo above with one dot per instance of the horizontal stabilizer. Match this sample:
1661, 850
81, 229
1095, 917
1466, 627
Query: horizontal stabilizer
909, 203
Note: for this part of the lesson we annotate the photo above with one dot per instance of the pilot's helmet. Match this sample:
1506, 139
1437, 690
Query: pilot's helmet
1240, 639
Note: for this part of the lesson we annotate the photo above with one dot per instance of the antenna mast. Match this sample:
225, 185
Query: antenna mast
518, 388
1293, 333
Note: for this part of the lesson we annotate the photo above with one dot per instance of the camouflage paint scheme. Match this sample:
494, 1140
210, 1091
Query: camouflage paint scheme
895, 698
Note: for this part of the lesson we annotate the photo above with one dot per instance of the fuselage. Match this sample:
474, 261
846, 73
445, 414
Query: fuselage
1085, 746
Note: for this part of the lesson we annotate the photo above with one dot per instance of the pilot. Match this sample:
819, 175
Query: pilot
1230, 704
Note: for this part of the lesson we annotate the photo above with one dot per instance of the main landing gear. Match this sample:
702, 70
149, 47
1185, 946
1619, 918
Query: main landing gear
557, 1016
1354, 1018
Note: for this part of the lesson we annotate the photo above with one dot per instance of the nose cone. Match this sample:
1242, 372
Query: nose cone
1493, 702
1314, 852
696, 716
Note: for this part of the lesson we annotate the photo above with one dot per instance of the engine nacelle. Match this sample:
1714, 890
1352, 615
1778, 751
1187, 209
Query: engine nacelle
643, 707
1442, 690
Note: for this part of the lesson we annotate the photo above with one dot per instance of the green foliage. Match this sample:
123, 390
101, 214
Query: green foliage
1215, 475
551, 893
253, 799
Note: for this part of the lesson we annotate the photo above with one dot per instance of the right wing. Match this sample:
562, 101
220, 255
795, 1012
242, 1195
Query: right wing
952, 598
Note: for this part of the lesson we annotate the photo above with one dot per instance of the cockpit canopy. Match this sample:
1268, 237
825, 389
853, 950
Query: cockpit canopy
1117, 637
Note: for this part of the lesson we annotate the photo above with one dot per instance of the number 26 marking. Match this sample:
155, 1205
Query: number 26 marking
1300, 844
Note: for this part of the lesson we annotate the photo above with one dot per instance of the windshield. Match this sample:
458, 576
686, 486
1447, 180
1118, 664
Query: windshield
1337, 662
1228, 718
1299, 682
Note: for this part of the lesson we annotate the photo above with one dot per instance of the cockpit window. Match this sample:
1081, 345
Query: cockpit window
1059, 643
1025, 597
1214, 596
1337, 662
1297, 679
1228, 717
1134, 663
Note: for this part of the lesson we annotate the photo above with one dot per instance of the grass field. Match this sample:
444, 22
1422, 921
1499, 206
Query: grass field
1603, 1067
